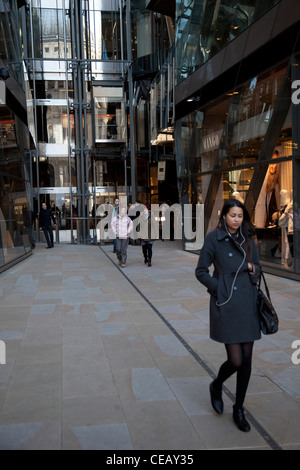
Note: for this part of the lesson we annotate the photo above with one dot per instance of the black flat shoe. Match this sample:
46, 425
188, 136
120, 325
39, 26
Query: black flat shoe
240, 420
216, 399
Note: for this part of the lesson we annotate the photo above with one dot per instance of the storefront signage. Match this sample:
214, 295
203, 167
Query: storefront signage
211, 141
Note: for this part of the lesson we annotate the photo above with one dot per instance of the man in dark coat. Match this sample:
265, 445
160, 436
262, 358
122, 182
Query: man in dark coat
46, 218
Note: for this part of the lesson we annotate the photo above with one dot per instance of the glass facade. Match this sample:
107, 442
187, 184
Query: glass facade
16, 222
89, 93
76, 57
204, 27
244, 144
102, 81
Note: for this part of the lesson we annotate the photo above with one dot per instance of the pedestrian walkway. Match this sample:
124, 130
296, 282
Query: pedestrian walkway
110, 358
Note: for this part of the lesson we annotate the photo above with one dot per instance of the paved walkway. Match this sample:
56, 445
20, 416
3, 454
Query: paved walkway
102, 357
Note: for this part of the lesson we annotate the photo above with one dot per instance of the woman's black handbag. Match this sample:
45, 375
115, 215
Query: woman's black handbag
268, 318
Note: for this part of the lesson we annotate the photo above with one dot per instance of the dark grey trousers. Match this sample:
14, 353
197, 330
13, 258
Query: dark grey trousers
122, 245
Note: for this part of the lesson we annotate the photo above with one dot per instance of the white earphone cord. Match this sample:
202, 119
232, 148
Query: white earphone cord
240, 267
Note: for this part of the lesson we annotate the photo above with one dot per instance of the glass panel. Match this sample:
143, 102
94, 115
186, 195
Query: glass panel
54, 89
111, 36
53, 125
50, 27
204, 27
249, 115
274, 214
106, 35
62, 207
14, 239
210, 138
217, 152
141, 34
262, 7
237, 183
109, 114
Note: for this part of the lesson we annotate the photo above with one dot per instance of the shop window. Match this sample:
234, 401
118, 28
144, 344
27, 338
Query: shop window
273, 217
249, 116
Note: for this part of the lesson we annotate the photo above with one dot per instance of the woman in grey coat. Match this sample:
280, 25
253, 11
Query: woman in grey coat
233, 313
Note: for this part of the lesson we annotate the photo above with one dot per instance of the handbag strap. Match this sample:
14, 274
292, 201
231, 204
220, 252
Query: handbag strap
265, 282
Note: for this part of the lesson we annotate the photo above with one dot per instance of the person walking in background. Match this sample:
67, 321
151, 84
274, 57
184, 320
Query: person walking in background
115, 211
148, 233
231, 249
46, 218
122, 226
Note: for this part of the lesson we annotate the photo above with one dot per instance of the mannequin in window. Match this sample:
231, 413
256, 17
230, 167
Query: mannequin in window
272, 200
236, 195
268, 207
286, 222
269, 199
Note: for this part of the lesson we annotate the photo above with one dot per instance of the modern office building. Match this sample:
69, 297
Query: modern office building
237, 117
90, 66
15, 142
190, 101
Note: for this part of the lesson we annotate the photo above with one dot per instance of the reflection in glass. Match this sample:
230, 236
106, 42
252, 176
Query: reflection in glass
274, 212
204, 27
217, 150
249, 114
51, 34
54, 126
109, 113
54, 89
105, 35
14, 237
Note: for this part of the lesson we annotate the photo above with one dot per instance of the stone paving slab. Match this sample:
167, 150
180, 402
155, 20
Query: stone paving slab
105, 358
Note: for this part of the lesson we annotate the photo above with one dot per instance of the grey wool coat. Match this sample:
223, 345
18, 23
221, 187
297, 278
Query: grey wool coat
236, 321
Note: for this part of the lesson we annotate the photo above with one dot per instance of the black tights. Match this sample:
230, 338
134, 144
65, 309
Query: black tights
239, 358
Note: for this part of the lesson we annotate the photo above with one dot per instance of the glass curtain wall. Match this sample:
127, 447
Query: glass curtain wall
241, 146
72, 47
204, 27
16, 222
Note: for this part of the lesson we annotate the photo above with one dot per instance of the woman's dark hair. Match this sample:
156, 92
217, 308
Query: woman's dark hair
247, 226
